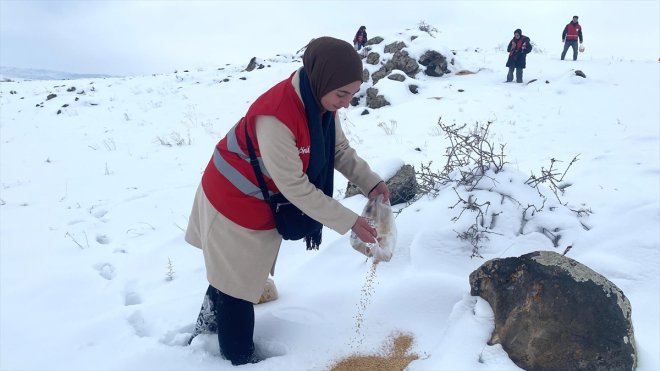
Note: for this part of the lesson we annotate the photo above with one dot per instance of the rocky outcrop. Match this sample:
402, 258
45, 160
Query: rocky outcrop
394, 59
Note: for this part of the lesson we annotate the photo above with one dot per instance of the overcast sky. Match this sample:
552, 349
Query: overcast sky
143, 37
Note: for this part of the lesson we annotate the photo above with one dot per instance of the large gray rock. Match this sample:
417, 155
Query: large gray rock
365, 75
394, 47
553, 313
396, 77
373, 58
253, 64
374, 41
435, 63
374, 100
403, 186
381, 73
402, 61
399, 61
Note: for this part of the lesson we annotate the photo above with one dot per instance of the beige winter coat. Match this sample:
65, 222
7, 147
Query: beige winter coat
238, 259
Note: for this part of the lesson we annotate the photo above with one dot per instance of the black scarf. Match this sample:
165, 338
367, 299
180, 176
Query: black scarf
322, 147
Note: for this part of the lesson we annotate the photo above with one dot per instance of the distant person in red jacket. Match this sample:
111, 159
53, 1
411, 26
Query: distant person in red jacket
572, 33
360, 38
518, 49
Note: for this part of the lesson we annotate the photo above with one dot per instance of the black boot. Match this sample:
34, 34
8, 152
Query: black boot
235, 320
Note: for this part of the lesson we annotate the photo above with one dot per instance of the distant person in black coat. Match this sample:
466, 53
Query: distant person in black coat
570, 36
360, 38
518, 49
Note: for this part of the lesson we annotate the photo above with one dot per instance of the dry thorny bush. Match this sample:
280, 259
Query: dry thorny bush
423, 26
551, 178
471, 156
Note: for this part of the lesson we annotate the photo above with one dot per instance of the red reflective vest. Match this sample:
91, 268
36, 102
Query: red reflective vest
229, 181
572, 31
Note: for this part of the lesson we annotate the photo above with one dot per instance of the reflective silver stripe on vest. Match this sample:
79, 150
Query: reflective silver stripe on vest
232, 145
236, 178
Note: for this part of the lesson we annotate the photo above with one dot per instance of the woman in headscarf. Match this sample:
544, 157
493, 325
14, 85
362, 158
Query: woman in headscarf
298, 142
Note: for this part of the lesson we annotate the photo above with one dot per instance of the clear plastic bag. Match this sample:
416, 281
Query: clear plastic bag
380, 216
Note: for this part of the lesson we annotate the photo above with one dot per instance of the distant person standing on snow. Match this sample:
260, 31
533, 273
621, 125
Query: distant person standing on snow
518, 49
572, 32
360, 38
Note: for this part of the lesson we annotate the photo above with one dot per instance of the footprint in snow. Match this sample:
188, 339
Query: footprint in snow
99, 213
137, 321
106, 270
102, 239
208, 343
179, 337
132, 298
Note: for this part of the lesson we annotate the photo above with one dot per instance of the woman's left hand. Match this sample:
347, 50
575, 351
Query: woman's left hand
380, 188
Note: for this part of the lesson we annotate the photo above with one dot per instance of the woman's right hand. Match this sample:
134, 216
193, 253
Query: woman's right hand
364, 230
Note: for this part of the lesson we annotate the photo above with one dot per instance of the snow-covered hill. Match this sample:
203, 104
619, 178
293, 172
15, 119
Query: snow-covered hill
98, 181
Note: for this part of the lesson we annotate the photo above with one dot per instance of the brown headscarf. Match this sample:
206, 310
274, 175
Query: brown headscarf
330, 64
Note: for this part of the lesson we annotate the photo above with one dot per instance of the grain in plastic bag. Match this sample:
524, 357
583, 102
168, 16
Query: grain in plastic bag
380, 216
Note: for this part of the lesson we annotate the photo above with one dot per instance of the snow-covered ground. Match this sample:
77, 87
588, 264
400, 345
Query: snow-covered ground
95, 274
